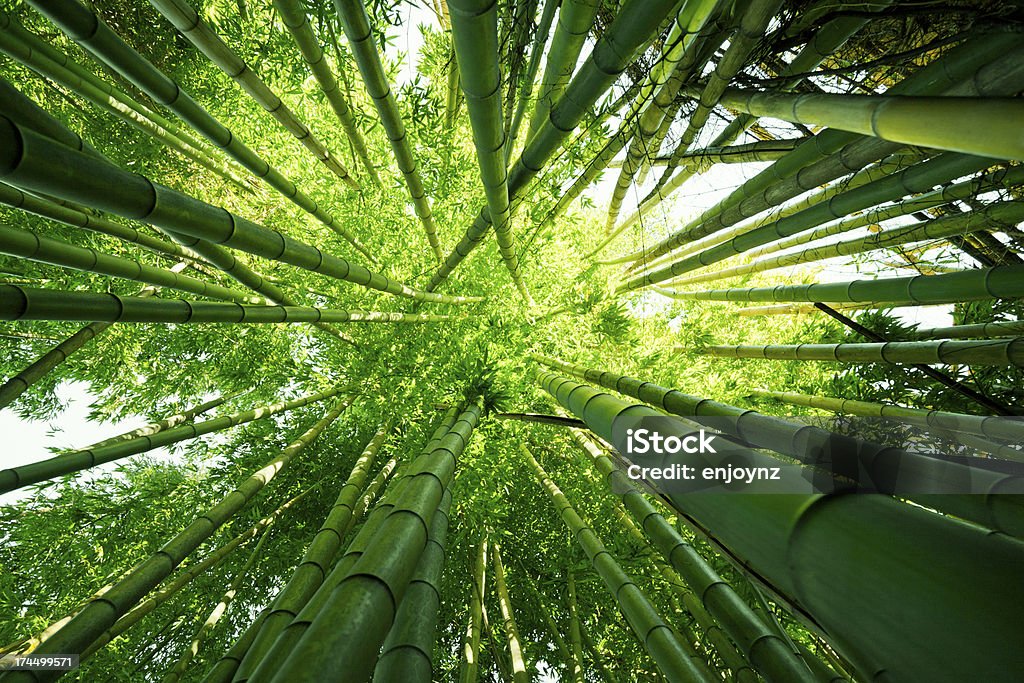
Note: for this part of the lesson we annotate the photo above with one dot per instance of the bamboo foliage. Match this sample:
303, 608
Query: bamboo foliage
188, 22
654, 634
781, 538
357, 28
91, 32
90, 623
475, 34
30, 165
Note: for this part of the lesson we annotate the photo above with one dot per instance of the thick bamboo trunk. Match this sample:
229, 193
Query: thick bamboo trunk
101, 185
354, 619
878, 548
86, 28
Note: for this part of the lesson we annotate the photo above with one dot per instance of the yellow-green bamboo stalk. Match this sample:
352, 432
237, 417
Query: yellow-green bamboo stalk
515, 648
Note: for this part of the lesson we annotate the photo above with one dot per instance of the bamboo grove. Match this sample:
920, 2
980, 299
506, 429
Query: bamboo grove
356, 295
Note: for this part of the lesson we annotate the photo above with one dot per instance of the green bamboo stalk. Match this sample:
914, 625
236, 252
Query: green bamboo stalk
18, 384
355, 617
87, 29
31, 245
161, 425
1000, 282
981, 330
760, 150
272, 662
43, 49
294, 17
475, 35
655, 635
575, 638
1006, 428
575, 19
633, 28
807, 444
190, 25
993, 216
407, 653
515, 648
920, 177
21, 108
23, 303
30, 162
470, 664
357, 28
879, 549
971, 125
977, 68
42, 65
716, 639
962, 190
77, 460
799, 309
15, 198
316, 561
180, 667
595, 656
540, 40
101, 614
761, 647
226, 668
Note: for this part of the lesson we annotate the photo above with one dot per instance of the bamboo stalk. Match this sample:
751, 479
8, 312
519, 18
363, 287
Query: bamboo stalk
86, 28
294, 17
357, 28
470, 664
31, 164
77, 460
655, 635
878, 548
190, 25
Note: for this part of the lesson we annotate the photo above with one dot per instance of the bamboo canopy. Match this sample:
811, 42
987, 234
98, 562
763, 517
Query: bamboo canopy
461, 496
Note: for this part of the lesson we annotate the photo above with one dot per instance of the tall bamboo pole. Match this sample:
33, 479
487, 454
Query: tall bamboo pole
75, 461
471, 645
86, 28
190, 25
30, 160
356, 23
515, 648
